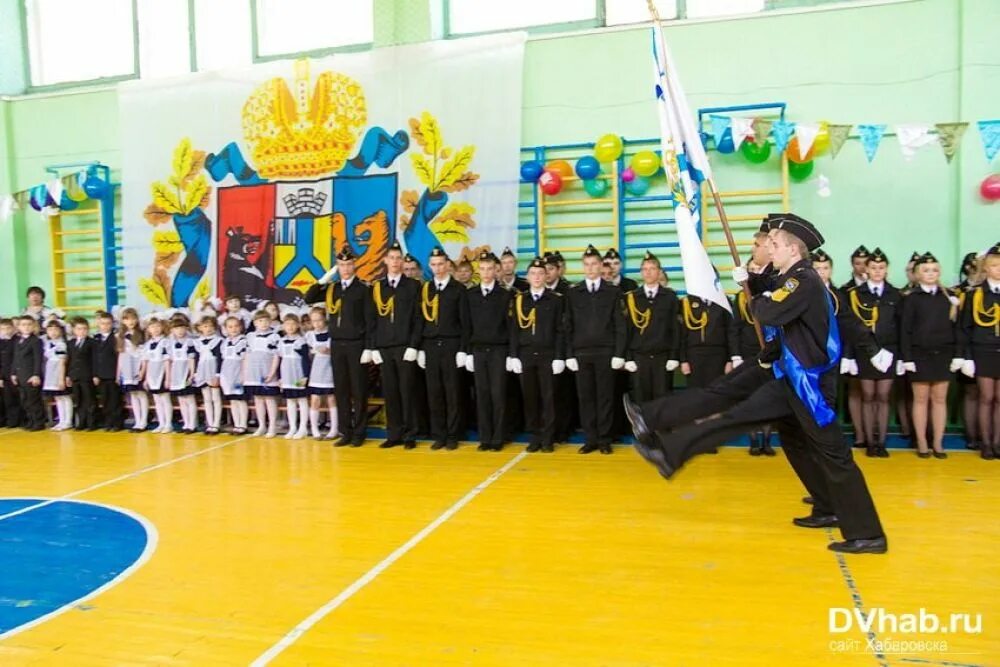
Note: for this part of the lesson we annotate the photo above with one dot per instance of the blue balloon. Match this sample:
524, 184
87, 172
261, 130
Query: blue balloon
67, 204
726, 144
637, 186
531, 170
588, 168
95, 186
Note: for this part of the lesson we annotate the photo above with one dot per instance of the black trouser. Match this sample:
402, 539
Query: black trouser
707, 363
515, 408
825, 457
420, 406
564, 386
84, 394
538, 388
31, 402
595, 387
397, 390
350, 379
11, 404
489, 362
444, 393
652, 380
109, 397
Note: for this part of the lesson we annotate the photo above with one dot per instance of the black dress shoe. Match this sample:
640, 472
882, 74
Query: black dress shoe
605, 448
588, 448
924, 455
814, 521
860, 445
343, 441
656, 456
940, 455
388, 444
986, 453
483, 447
768, 449
438, 444
534, 447
358, 442
498, 447
409, 444
871, 451
548, 448
451, 445
971, 444
883, 453
878, 545
635, 418
755, 448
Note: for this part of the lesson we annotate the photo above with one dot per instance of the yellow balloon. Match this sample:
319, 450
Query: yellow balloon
645, 163
822, 142
608, 148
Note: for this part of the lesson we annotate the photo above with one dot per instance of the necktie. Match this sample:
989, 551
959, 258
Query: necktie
996, 290
593, 288
649, 295
440, 286
535, 296
344, 284
486, 292
392, 283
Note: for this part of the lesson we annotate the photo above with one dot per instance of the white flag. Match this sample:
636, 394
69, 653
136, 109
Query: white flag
806, 132
912, 138
742, 130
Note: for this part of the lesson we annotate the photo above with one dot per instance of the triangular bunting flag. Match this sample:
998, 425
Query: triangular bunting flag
782, 131
838, 135
761, 130
989, 132
871, 136
7, 205
719, 126
806, 133
912, 138
742, 130
950, 136
55, 188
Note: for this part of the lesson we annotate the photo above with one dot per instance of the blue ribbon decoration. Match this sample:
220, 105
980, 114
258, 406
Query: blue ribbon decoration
805, 381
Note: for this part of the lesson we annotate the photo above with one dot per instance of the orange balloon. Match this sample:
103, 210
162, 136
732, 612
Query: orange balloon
793, 152
561, 167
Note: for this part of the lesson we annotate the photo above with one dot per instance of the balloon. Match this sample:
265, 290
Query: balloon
637, 186
628, 175
37, 196
726, 144
822, 142
550, 182
793, 152
596, 187
531, 170
645, 163
587, 167
561, 167
95, 186
67, 203
608, 148
990, 187
799, 171
754, 153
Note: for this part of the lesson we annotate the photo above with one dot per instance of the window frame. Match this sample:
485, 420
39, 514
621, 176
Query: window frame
30, 87
565, 26
256, 56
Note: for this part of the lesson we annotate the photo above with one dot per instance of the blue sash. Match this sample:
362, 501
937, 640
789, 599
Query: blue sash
805, 381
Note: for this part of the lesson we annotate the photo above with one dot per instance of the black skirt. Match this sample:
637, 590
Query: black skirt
932, 365
987, 360
868, 372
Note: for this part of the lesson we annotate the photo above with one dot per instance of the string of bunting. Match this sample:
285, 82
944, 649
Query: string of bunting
59, 194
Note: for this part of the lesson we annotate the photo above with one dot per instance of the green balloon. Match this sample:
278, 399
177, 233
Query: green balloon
754, 153
596, 187
799, 171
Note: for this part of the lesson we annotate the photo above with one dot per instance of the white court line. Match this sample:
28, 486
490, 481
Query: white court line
270, 654
120, 478
152, 539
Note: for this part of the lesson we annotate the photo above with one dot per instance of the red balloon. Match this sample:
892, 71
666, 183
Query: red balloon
990, 187
550, 182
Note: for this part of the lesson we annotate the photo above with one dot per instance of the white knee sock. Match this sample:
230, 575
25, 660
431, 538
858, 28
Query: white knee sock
271, 403
241, 412
261, 411
60, 420
67, 410
164, 412
333, 421
303, 429
189, 412
292, 409
140, 409
314, 422
216, 396
206, 399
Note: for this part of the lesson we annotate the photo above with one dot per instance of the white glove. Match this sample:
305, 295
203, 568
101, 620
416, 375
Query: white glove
672, 365
956, 365
422, 359
460, 358
470, 364
909, 367
900, 367
882, 361
845, 366
558, 366
328, 276
377, 357
366, 356
509, 364
854, 367
631, 366
572, 365
969, 368
617, 363
737, 360
410, 354
515, 365
740, 274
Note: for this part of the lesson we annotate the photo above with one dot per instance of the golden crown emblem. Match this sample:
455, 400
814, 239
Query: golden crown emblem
304, 132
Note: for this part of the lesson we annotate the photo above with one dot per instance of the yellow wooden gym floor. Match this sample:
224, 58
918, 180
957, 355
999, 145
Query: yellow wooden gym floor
299, 553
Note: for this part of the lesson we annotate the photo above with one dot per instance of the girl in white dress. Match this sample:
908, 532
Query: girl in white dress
181, 372
153, 371
234, 308
208, 347
294, 370
320, 374
130, 344
234, 350
260, 373
54, 374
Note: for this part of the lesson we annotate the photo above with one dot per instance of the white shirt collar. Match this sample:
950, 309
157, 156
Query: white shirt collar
592, 284
858, 281
929, 289
443, 282
654, 288
536, 293
346, 282
992, 285
876, 286
487, 287
393, 278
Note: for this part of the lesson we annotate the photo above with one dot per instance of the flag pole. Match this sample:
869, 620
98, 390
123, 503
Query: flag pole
716, 198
